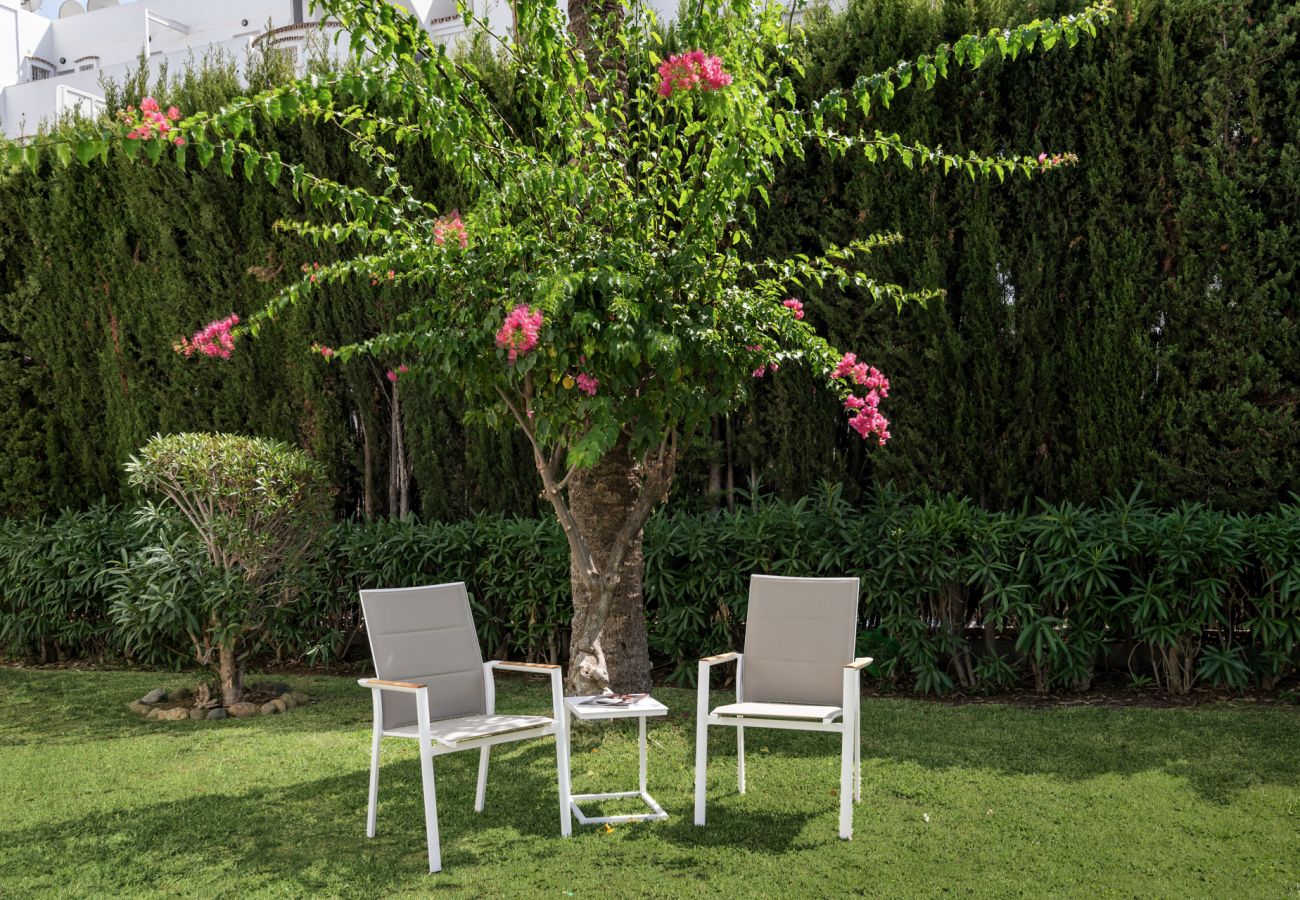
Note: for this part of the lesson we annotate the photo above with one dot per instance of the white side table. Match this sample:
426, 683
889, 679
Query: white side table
640, 710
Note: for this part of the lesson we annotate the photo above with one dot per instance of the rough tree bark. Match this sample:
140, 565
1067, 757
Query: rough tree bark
601, 498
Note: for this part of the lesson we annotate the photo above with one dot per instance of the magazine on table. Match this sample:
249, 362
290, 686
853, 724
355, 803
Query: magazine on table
617, 701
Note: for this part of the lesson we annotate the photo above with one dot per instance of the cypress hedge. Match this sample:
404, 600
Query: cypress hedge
1128, 320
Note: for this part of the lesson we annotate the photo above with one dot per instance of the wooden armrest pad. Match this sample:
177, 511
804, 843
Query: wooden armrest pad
515, 665
379, 682
860, 663
721, 657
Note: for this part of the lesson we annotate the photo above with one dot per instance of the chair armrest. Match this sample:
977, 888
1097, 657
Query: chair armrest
702, 682
403, 687
860, 663
530, 668
557, 683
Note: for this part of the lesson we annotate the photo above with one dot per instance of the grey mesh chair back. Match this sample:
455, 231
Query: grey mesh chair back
425, 635
799, 635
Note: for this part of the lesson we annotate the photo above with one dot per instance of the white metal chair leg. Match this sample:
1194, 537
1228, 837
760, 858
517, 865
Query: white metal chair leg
846, 780
848, 748
372, 806
430, 793
480, 795
701, 740
857, 755
740, 759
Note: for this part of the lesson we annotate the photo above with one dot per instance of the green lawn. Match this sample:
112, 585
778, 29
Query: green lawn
1066, 801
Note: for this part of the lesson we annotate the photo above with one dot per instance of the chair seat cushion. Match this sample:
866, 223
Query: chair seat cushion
779, 711
468, 728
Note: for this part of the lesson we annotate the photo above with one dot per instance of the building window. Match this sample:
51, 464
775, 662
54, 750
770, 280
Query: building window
39, 71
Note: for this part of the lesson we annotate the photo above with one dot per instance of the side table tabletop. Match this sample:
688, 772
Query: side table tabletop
640, 710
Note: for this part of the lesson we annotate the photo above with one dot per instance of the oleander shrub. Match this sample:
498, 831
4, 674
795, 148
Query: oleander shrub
239, 527
54, 594
954, 597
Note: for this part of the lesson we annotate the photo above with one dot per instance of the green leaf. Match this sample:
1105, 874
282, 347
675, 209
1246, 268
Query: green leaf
273, 168
203, 150
228, 157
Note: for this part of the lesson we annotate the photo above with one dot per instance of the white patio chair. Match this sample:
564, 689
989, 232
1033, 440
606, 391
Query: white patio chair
434, 687
797, 672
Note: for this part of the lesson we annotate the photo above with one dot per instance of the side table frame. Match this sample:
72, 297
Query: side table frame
641, 711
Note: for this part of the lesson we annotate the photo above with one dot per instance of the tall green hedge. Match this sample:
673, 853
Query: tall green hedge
102, 269
952, 596
1131, 319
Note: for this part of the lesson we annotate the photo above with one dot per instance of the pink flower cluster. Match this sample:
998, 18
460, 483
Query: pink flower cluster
518, 333
150, 122
865, 417
327, 352
450, 226
587, 384
213, 339
795, 305
394, 373
763, 369
691, 71
1057, 159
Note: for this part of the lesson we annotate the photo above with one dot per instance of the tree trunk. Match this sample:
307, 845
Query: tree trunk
715, 464
601, 499
368, 469
399, 476
731, 469
231, 671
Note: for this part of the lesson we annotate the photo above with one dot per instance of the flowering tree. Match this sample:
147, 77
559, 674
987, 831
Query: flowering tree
597, 294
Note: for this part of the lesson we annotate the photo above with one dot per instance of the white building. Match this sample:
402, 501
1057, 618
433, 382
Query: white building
53, 53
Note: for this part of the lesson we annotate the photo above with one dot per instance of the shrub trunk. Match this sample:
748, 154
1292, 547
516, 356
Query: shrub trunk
230, 669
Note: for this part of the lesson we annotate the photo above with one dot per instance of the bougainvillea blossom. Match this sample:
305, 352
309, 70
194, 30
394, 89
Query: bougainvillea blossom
587, 384
149, 122
796, 306
213, 339
693, 70
518, 333
450, 226
865, 417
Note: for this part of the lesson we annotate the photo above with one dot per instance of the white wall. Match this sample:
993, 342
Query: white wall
116, 35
